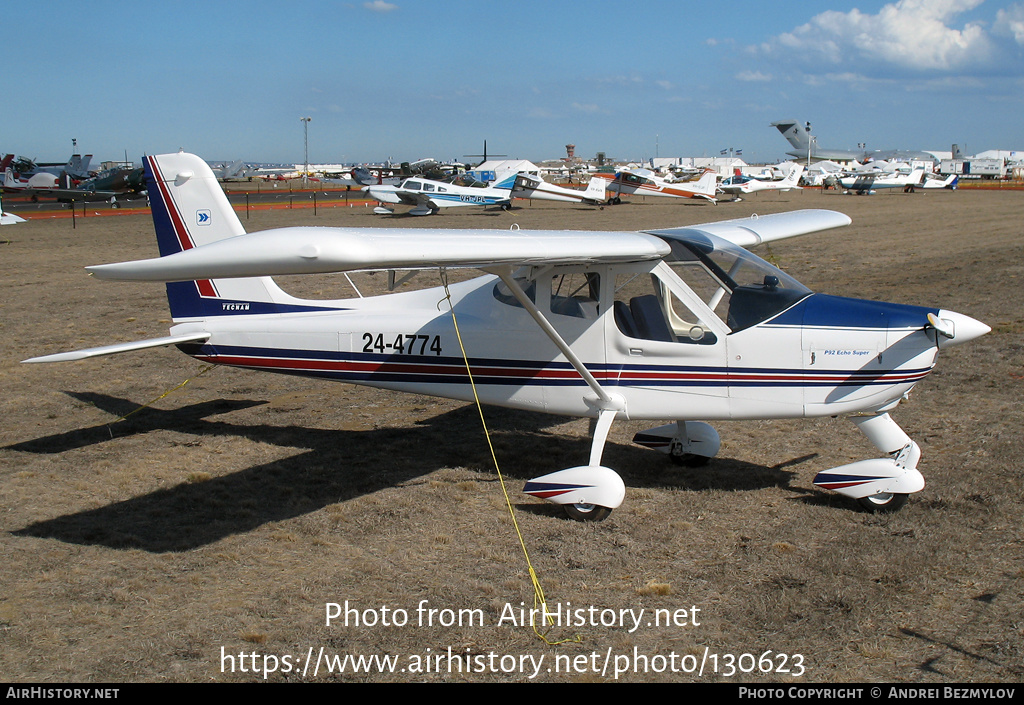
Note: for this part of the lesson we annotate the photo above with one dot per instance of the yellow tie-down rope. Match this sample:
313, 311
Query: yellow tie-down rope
538, 591
168, 392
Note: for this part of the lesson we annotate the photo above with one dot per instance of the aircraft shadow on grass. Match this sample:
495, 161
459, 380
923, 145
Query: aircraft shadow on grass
340, 465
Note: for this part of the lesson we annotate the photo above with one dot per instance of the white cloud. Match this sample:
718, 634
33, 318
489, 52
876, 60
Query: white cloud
380, 6
753, 76
587, 108
1010, 22
914, 34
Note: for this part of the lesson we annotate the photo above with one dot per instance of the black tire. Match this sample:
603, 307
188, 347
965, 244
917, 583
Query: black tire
689, 460
884, 502
587, 512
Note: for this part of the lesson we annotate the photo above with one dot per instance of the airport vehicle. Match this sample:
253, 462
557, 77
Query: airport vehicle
868, 183
680, 324
647, 183
746, 185
427, 196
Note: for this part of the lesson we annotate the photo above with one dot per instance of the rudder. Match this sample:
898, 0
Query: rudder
190, 210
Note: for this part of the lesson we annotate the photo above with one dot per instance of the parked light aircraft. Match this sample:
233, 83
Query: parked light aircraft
529, 186
9, 218
76, 166
427, 196
934, 181
646, 183
106, 186
745, 185
680, 324
869, 183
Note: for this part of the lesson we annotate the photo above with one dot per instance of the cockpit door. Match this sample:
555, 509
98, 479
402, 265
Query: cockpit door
666, 350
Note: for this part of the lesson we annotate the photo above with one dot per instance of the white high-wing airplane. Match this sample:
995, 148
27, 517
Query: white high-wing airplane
737, 185
869, 183
427, 196
646, 183
936, 181
9, 218
680, 324
529, 186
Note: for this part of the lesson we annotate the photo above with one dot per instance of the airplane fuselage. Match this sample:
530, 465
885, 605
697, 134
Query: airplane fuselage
820, 356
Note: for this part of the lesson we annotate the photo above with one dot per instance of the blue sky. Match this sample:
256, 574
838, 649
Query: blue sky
407, 79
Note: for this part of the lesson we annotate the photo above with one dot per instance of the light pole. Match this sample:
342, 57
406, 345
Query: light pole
810, 143
305, 144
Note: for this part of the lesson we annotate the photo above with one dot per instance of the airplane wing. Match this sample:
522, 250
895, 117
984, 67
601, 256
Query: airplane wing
748, 232
62, 193
323, 250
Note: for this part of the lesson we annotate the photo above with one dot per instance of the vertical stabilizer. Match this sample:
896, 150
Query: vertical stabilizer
190, 210
707, 184
794, 134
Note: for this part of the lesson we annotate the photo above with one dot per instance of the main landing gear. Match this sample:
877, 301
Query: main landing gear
590, 492
880, 485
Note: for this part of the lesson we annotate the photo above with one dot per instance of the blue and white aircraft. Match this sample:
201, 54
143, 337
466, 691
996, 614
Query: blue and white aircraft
427, 197
680, 324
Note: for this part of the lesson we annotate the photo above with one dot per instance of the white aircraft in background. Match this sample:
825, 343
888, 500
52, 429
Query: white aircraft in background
746, 185
9, 218
869, 183
646, 183
936, 181
680, 324
427, 197
530, 186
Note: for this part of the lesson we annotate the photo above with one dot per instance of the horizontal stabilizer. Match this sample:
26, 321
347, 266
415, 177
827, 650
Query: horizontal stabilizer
747, 232
121, 347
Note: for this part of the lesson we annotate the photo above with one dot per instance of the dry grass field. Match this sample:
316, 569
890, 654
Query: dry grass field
222, 520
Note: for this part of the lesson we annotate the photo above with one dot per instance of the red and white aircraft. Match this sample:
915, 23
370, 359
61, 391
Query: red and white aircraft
680, 324
646, 183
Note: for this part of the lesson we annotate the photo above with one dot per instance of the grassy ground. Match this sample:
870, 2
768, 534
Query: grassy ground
225, 517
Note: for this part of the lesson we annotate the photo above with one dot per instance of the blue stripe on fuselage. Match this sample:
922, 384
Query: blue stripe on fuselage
826, 311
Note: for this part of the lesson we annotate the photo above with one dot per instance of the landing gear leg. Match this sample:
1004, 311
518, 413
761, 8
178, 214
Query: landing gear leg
588, 492
879, 484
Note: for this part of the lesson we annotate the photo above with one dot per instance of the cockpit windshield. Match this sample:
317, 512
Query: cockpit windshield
741, 288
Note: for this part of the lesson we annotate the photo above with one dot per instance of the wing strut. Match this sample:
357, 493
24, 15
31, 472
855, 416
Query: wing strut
604, 401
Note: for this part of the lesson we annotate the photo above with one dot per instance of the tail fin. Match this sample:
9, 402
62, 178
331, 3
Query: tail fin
597, 189
6, 162
190, 210
796, 136
78, 167
508, 183
793, 177
707, 184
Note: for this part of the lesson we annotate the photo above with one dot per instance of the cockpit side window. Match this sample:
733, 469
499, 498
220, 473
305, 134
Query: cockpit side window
646, 308
576, 294
742, 289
